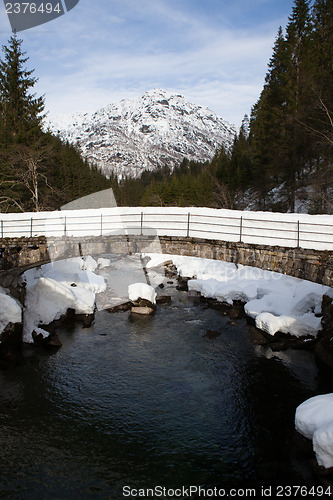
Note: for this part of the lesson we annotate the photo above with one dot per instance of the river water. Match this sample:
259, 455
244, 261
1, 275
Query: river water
142, 402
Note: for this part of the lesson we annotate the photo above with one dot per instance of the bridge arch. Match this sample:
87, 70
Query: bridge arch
299, 245
312, 265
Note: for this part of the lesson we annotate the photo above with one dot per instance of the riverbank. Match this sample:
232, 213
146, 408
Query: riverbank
286, 311
177, 398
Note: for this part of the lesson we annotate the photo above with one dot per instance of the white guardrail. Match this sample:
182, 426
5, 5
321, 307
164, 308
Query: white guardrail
267, 228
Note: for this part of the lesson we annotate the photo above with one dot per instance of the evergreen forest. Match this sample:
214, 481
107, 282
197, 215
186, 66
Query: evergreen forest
281, 159
37, 170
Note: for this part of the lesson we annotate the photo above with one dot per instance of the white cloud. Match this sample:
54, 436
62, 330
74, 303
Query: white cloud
230, 68
104, 51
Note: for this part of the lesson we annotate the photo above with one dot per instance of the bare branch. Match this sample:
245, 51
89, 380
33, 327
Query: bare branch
328, 113
8, 199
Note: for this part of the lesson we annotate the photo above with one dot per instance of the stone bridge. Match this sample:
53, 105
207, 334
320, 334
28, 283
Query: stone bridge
18, 254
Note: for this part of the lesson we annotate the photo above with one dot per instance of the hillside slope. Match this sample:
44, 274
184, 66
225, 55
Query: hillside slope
156, 129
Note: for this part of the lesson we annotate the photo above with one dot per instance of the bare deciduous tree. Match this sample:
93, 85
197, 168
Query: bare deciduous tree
32, 174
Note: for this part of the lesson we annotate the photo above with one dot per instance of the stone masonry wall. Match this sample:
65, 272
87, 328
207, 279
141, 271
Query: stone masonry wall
312, 265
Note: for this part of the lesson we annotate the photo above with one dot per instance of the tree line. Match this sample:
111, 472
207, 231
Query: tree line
37, 170
282, 156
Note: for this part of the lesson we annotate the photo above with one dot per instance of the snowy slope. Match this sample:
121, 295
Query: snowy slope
139, 134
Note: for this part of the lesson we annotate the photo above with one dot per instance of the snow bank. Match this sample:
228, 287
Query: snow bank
56, 287
275, 301
10, 310
323, 445
314, 413
289, 306
141, 291
314, 420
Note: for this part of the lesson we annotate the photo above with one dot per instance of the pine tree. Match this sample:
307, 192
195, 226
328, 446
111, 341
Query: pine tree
279, 142
21, 111
241, 158
319, 109
297, 145
267, 127
38, 171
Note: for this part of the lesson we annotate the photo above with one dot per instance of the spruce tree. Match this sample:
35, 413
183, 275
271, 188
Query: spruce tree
297, 145
37, 170
241, 159
280, 145
319, 109
268, 124
21, 110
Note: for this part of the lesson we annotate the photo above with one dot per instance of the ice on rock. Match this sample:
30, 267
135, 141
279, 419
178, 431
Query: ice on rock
290, 311
222, 291
207, 288
235, 291
143, 291
45, 302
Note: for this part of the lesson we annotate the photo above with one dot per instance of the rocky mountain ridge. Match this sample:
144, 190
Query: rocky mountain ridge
156, 129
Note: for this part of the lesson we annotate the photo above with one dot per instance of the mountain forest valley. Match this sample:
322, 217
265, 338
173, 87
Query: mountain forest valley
280, 159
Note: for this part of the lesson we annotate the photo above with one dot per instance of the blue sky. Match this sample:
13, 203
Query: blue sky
214, 52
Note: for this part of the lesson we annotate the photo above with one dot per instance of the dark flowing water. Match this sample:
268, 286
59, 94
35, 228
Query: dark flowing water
150, 401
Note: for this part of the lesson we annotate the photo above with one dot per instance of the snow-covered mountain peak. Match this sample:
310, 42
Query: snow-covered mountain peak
155, 129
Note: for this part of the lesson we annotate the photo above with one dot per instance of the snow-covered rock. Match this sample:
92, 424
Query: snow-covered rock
138, 291
314, 413
314, 420
153, 130
10, 310
103, 262
289, 307
275, 301
57, 287
323, 445
89, 263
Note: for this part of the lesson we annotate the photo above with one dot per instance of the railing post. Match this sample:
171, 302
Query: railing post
298, 234
241, 229
65, 226
188, 224
2, 229
141, 225
31, 227
101, 224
